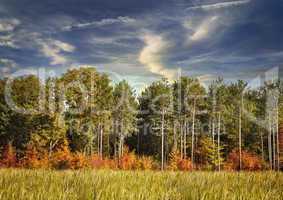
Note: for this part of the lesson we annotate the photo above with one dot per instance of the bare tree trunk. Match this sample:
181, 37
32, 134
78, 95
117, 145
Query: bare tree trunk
185, 139
269, 143
162, 140
262, 147
218, 140
101, 142
274, 147
240, 133
175, 137
277, 138
181, 133
193, 132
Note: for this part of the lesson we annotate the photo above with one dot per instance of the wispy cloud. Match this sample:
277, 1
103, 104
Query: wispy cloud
103, 22
202, 31
151, 55
6, 66
219, 5
7, 25
53, 49
7, 41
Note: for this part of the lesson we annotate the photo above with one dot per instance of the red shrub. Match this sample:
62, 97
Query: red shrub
176, 162
79, 161
9, 157
128, 161
33, 159
96, 162
61, 159
250, 161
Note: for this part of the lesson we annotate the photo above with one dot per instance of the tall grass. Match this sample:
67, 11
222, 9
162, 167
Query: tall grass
136, 185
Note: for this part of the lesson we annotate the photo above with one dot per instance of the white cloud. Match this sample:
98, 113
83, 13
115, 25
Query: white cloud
151, 55
53, 49
203, 30
103, 22
219, 5
6, 66
7, 41
7, 25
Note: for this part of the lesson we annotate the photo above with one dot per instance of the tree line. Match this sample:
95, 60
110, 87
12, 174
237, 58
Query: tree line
223, 125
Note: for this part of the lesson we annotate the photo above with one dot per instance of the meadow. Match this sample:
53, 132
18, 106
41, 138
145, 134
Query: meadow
18, 184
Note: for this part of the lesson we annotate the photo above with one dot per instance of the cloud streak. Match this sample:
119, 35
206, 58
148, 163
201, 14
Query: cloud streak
204, 29
219, 5
103, 22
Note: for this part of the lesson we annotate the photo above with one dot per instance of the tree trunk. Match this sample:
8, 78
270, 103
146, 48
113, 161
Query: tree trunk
269, 142
162, 140
262, 146
218, 140
185, 139
175, 137
101, 141
274, 147
181, 134
193, 132
277, 138
240, 133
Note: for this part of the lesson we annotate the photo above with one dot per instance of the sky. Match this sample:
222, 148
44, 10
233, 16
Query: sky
143, 41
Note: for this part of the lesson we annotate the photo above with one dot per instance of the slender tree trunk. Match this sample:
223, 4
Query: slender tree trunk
185, 139
240, 133
162, 140
218, 141
262, 146
101, 142
274, 147
277, 138
181, 133
175, 137
193, 132
269, 142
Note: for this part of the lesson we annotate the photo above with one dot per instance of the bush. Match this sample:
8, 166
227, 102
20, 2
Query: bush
250, 161
33, 159
9, 158
176, 162
128, 161
145, 163
62, 158
79, 161
96, 162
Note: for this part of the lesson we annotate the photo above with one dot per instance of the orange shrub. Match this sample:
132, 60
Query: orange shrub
79, 161
62, 158
33, 159
250, 161
145, 163
9, 157
178, 163
128, 161
96, 162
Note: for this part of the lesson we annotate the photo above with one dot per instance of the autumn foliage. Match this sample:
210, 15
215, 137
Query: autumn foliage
176, 162
250, 161
9, 157
63, 158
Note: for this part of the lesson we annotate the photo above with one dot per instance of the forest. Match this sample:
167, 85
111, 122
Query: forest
82, 119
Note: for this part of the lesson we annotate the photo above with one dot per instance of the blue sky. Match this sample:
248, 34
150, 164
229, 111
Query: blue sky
142, 41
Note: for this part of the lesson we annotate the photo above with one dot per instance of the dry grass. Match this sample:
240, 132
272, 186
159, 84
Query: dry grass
136, 185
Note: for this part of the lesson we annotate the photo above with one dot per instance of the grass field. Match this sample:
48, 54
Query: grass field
147, 185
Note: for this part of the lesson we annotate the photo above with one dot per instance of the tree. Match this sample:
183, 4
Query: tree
124, 113
156, 106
